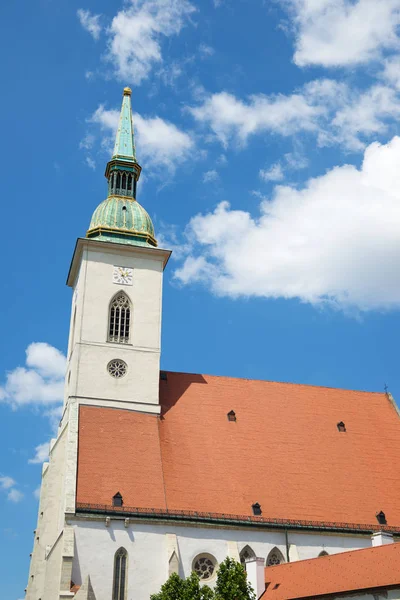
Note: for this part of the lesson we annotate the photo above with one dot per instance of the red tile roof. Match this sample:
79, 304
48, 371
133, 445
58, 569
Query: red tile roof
346, 572
283, 451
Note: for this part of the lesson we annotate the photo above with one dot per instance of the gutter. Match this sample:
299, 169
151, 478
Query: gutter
226, 519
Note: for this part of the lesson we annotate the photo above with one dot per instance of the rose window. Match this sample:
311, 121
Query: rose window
117, 368
204, 566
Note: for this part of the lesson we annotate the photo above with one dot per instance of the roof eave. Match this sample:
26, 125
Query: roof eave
81, 243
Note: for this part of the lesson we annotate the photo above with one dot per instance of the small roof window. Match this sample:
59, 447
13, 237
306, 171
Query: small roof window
256, 509
381, 518
117, 500
341, 427
163, 376
231, 415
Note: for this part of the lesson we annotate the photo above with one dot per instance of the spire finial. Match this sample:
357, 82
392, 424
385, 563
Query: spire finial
124, 147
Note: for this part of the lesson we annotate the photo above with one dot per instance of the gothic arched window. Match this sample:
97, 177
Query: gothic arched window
275, 557
123, 181
129, 182
120, 580
119, 319
246, 554
118, 180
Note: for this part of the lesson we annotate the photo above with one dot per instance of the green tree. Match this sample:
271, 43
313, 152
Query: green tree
231, 584
172, 589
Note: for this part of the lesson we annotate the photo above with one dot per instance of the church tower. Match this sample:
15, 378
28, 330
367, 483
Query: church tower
116, 274
113, 360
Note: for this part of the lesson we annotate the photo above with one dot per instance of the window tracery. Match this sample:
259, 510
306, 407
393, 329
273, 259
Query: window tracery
275, 557
246, 554
119, 582
204, 565
119, 319
117, 368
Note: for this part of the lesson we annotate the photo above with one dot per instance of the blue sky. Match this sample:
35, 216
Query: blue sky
267, 136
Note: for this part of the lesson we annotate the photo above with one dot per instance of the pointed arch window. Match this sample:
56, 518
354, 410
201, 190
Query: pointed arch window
119, 319
246, 554
275, 557
120, 570
123, 185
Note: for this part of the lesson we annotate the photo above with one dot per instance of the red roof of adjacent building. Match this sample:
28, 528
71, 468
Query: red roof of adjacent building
346, 572
284, 451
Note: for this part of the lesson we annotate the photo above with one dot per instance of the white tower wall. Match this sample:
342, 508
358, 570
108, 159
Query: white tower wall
89, 351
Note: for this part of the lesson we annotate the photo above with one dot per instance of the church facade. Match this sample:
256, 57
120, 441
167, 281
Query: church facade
155, 472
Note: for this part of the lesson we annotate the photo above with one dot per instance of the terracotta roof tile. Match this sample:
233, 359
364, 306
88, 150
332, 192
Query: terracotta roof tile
119, 451
284, 451
369, 568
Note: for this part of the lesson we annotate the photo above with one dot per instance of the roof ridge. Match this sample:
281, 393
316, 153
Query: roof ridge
323, 387
343, 553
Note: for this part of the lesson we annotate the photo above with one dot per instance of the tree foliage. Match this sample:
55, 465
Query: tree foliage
231, 584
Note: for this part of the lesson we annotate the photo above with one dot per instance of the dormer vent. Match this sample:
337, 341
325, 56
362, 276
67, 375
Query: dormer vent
231, 415
341, 427
163, 376
117, 500
381, 518
256, 509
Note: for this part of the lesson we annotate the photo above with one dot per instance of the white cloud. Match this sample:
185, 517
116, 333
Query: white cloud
90, 22
391, 71
41, 454
42, 383
335, 33
91, 163
49, 361
328, 109
159, 143
7, 484
364, 115
296, 160
136, 32
87, 142
274, 173
36, 492
334, 241
210, 176
15, 495
206, 50
229, 117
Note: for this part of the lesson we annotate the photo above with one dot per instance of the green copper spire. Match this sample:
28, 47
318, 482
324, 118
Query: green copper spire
120, 218
124, 147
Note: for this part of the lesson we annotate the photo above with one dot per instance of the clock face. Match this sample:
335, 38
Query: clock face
123, 275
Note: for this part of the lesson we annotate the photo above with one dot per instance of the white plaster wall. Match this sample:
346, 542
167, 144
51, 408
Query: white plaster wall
310, 545
87, 375
140, 384
145, 295
51, 589
147, 546
50, 518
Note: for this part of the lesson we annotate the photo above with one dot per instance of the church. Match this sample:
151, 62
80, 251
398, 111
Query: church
156, 472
